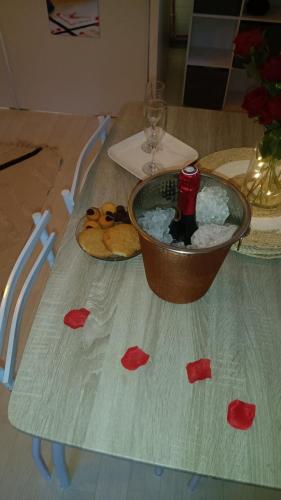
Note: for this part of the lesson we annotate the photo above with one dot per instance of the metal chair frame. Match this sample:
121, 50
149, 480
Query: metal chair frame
7, 372
98, 136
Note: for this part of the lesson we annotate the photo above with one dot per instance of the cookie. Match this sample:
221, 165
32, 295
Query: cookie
105, 221
108, 207
122, 239
90, 224
93, 213
91, 240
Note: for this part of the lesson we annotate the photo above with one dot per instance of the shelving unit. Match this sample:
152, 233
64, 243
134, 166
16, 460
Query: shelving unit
214, 77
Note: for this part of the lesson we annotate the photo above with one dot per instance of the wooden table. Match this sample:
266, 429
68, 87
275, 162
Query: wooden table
71, 387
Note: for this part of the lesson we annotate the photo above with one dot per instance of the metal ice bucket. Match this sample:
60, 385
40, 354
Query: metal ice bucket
183, 275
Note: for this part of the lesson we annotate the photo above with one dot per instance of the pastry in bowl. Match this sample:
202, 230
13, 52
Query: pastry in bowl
106, 233
122, 239
91, 240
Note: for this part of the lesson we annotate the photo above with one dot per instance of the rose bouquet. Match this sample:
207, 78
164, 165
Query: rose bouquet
263, 103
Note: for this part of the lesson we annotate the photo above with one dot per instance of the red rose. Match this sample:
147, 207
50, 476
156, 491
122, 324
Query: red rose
255, 102
271, 69
247, 40
272, 111
134, 357
274, 107
199, 370
76, 318
241, 415
265, 117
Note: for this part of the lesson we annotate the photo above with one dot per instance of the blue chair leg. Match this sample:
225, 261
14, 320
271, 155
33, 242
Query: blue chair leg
37, 457
44, 237
193, 483
158, 471
68, 200
60, 466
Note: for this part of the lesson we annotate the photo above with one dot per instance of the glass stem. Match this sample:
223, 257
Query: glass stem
154, 147
153, 156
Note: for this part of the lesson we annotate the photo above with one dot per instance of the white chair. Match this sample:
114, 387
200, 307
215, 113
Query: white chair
58, 450
39, 234
98, 136
7, 370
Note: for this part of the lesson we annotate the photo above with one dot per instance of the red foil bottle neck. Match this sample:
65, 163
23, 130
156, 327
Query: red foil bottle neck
189, 182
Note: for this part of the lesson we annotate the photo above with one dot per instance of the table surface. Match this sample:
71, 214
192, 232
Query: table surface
71, 387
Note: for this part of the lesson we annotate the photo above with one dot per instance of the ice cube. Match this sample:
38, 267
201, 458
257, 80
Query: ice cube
209, 235
212, 205
211, 213
156, 223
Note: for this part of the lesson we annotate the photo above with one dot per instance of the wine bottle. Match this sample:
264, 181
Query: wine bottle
184, 224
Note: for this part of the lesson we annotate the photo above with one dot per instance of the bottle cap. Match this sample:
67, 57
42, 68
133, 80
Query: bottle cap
190, 169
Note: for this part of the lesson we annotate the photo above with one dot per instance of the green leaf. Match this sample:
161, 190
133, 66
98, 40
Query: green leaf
271, 143
258, 57
273, 88
252, 71
274, 125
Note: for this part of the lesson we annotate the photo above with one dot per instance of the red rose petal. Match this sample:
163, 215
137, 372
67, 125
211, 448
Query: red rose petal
76, 317
134, 357
241, 415
199, 370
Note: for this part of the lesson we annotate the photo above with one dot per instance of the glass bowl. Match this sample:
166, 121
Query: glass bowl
81, 226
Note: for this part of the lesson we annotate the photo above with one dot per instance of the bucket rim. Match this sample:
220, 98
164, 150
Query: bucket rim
238, 235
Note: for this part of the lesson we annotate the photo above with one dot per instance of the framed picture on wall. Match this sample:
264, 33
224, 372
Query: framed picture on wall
74, 18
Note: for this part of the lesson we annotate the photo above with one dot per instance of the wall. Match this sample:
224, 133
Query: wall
7, 97
184, 9
76, 75
163, 39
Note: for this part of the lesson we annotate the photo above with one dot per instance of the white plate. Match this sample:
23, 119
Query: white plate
129, 155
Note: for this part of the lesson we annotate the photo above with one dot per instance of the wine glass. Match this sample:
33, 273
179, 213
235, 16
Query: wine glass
155, 124
155, 89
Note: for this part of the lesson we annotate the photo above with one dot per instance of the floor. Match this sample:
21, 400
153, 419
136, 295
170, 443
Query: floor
36, 183
93, 477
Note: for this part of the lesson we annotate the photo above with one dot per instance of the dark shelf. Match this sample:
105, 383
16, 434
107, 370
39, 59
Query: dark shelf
205, 87
218, 7
209, 65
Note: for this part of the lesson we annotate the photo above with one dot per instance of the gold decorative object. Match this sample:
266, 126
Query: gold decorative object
262, 184
263, 242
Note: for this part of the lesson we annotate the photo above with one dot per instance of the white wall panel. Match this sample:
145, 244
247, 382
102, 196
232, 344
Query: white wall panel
7, 94
72, 74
